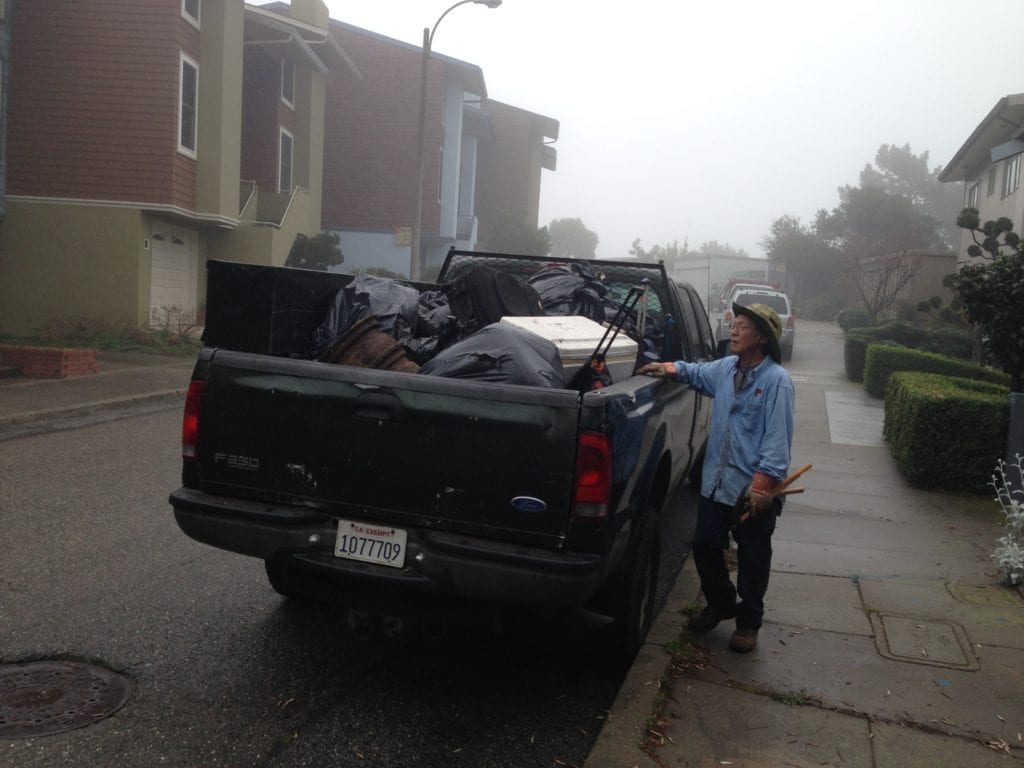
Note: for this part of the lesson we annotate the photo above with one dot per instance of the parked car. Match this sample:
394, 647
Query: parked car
777, 300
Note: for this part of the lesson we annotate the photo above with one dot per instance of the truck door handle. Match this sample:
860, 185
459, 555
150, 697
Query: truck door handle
376, 406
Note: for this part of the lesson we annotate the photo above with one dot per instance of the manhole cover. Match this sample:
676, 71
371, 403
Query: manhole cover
923, 641
967, 593
45, 697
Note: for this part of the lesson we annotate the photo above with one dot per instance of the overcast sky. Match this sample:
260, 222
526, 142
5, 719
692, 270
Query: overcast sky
709, 120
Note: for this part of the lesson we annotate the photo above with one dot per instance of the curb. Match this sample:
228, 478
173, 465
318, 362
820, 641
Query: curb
84, 409
619, 745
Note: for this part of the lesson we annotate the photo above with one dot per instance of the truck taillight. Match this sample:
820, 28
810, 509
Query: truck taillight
728, 317
790, 323
593, 476
190, 421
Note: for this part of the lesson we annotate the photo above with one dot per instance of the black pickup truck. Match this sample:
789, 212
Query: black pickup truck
433, 493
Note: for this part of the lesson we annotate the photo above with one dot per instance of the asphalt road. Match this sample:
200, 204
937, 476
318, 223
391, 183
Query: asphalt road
227, 673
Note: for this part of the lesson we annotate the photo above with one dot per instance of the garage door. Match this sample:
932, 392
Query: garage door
172, 289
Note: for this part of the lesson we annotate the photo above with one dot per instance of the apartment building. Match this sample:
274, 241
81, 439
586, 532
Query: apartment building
989, 166
144, 137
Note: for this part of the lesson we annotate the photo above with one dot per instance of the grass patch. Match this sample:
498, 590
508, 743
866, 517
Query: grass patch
170, 334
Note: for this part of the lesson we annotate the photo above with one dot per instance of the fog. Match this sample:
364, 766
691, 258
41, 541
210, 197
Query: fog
707, 121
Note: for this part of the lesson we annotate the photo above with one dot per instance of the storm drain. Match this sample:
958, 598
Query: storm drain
45, 697
923, 641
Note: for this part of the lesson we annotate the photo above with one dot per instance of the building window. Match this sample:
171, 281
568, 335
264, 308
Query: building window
284, 176
188, 106
288, 82
972, 195
1011, 175
190, 10
991, 182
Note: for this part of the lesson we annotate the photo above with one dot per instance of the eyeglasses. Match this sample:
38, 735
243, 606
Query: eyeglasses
744, 327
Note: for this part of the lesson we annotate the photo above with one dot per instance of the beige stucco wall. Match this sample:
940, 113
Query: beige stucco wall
218, 162
70, 261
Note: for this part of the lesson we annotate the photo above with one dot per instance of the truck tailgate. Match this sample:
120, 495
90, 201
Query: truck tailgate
412, 450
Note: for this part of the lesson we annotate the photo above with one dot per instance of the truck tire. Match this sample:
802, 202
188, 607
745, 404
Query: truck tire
633, 608
284, 581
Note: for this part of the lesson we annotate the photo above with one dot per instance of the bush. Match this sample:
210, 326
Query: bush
901, 332
948, 340
854, 351
882, 360
848, 319
924, 418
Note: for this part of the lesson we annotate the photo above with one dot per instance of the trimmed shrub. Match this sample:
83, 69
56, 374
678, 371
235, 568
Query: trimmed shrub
901, 332
853, 318
948, 340
882, 360
854, 350
924, 422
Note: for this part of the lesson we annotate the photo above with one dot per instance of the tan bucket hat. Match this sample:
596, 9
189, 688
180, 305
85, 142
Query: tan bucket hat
768, 322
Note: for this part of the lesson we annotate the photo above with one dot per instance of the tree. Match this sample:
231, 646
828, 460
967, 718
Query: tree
570, 238
318, 252
714, 248
879, 238
900, 172
812, 267
991, 291
670, 254
515, 233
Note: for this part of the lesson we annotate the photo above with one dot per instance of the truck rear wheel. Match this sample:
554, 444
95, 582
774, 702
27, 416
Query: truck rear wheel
633, 609
284, 580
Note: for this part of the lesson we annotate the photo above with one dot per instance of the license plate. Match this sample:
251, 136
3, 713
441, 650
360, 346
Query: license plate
371, 543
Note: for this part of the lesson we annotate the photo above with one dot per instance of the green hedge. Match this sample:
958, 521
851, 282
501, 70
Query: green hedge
854, 351
882, 360
925, 418
848, 319
952, 342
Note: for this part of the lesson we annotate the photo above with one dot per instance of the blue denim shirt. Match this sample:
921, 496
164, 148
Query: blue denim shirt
751, 429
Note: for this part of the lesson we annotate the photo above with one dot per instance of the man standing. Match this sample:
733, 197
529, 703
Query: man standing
747, 455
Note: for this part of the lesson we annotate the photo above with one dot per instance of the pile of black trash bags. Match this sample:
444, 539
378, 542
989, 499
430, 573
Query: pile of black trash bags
454, 332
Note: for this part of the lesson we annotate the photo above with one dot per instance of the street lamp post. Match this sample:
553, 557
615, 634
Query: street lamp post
428, 39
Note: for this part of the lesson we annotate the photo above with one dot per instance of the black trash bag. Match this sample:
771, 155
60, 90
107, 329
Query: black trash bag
501, 354
395, 305
480, 296
423, 348
432, 310
341, 316
570, 289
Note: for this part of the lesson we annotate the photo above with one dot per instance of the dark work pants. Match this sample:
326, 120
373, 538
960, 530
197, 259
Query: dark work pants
754, 551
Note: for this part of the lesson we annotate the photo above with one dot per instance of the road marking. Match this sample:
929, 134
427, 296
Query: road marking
797, 378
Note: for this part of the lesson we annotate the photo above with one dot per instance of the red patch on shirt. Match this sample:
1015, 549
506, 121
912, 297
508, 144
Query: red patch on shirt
757, 392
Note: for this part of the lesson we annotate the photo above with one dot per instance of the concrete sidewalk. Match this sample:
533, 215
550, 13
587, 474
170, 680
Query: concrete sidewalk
125, 379
887, 640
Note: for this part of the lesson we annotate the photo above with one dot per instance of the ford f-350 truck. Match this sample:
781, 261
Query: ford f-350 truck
391, 487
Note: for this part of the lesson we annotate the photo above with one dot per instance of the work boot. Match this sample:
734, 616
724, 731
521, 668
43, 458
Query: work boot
743, 640
709, 618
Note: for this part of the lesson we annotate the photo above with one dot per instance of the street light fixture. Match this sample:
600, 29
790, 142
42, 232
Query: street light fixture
428, 39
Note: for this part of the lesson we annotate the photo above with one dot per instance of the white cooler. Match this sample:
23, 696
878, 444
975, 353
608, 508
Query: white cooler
576, 338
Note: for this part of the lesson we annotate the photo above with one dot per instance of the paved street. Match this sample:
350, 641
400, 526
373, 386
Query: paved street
224, 672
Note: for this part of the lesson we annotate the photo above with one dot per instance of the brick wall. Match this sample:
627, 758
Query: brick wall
49, 362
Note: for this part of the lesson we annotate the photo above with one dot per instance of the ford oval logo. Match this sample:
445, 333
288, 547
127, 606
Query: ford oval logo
528, 504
